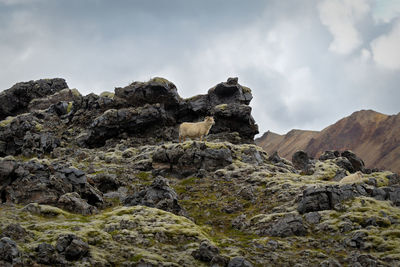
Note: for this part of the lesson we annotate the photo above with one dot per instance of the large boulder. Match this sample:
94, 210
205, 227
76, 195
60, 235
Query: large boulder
288, 225
23, 134
356, 162
158, 195
72, 247
328, 197
45, 183
183, 160
149, 120
234, 118
229, 92
65, 95
8, 251
15, 100
157, 90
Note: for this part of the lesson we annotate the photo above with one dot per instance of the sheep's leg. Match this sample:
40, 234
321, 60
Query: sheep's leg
201, 138
180, 137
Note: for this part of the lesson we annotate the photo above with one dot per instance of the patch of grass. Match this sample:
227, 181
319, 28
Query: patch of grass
6, 121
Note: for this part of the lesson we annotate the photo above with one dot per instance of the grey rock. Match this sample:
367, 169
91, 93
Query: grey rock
300, 160
106, 182
74, 203
45, 183
329, 154
158, 195
345, 164
185, 162
328, 197
289, 225
15, 100
8, 250
356, 162
240, 222
63, 96
206, 252
330, 263
219, 261
15, 232
72, 247
157, 90
47, 254
239, 262
312, 217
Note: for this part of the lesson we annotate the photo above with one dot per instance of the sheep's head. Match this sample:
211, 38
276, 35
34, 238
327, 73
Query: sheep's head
209, 120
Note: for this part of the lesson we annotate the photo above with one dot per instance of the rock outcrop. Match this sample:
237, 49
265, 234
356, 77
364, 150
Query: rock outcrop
102, 181
16, 100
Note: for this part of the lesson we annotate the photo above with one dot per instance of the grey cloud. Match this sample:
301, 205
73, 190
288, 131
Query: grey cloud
280, 49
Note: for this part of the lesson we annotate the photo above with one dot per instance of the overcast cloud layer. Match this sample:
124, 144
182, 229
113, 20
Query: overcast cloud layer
309, 63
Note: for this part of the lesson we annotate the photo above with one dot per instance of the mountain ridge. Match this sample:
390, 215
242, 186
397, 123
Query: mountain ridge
372, 135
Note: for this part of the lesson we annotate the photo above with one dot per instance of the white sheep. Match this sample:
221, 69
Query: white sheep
195, 129
352, 178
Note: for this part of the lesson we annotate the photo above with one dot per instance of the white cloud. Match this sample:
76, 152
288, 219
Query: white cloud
385, 11
386, 49
341, 16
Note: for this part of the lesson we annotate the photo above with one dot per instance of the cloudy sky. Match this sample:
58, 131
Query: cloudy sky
308, 62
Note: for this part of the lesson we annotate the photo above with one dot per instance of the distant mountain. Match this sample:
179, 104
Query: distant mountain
374, 136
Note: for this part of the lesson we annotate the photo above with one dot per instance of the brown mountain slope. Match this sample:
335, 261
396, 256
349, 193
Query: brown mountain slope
374, 136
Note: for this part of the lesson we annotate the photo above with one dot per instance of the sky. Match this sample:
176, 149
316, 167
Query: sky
309, 63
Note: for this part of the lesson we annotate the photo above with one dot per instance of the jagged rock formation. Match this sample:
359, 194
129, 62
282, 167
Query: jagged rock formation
375, 137
16, 100
101, 181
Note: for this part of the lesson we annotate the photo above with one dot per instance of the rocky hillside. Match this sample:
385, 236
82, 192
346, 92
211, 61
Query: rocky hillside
372, 135
101, 181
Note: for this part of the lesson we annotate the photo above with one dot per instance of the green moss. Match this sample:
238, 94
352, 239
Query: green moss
221, 106
76, 93
38, 127
145, 176
107, 94
136, 258
159, 80
189, 181
69, 108
6, 121
246, 89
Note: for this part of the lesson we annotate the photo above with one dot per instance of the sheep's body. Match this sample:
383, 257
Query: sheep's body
352, 178
195, 129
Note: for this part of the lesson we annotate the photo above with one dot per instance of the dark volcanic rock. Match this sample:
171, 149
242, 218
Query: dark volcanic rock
149, 120
72, 247
26, 182
239, 262
345, 164
300, 160
106, 182
206, 252
63, 96
235, 118
183, 161
74, 203
15, 232
287, 226
356, 162
327, 197
15, 100
8, 250
329, 154
158, 195
47, 254
22, 134
229, 92
157, 90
